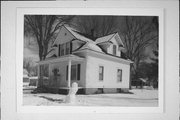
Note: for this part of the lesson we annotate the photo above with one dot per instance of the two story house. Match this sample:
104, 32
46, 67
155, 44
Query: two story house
97, 66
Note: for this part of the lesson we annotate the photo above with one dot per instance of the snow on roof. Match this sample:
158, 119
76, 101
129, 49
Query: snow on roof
91, 45
34, 77
104, 38
78, 36
51, 53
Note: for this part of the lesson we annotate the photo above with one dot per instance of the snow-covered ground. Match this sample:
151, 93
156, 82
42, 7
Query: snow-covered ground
140, 98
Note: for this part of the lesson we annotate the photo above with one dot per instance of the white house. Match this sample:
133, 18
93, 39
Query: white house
95, 66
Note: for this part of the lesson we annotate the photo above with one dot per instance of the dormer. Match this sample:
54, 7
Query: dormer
67, 41
63, 42
111, 44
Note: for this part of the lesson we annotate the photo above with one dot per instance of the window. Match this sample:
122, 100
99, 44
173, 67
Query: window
62, 48
59, 46
78, 71
100, 90
101, 72
114, 49
75, 72
119, 75
67, 48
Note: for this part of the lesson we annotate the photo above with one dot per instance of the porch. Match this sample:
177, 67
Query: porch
53, 73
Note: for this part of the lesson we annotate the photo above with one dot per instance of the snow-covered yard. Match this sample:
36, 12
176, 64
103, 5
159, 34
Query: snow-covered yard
139, 98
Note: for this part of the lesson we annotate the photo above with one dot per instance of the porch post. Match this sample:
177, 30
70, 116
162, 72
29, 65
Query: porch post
69, 73
38, 81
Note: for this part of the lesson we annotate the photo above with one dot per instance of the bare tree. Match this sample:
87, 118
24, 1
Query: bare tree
138, 35
43, 28
30, 66
96, 26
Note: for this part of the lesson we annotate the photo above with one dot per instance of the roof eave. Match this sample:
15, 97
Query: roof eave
107, 55
61, 59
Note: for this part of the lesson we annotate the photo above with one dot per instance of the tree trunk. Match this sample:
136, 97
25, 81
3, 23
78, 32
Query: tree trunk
130, 77
40, 81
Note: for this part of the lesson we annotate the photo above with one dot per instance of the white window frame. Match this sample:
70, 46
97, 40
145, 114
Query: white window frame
102, 72
75, 71
76, 68
117, 70
59, 50
114, 49
62, 47
66, 47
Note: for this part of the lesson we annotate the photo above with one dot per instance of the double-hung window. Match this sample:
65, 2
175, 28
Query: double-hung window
59, 50
119, 75
114, 49
75, 72
67, 48
101, 73
62, 49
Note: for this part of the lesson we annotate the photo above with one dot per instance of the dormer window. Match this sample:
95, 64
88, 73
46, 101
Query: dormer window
64, 49
59, 50
114, 49
67, 48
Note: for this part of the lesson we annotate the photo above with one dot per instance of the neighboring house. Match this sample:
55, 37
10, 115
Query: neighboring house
95, 66
25, 78
33, 81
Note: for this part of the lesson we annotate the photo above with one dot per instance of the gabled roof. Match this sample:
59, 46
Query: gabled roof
91, 46
76, 35
108, 38
104, 38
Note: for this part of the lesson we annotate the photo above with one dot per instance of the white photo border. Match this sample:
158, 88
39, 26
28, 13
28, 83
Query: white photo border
9, 53
86, 11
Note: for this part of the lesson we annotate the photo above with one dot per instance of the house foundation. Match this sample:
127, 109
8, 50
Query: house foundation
87, 91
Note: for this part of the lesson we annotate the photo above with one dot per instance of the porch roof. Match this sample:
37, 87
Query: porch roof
61, 59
